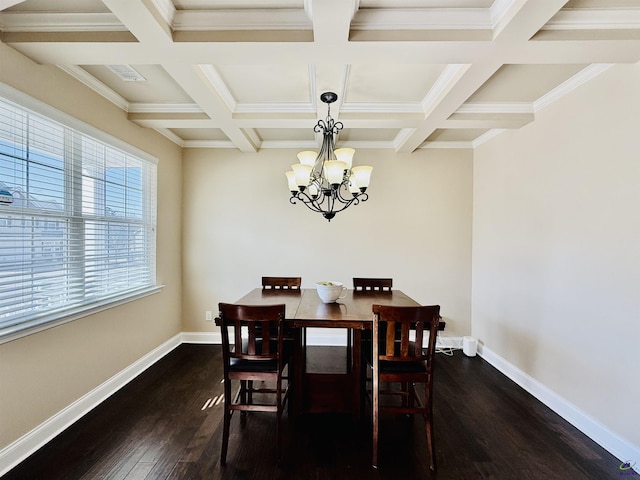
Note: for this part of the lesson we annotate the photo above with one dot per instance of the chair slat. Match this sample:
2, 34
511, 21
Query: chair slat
404, 340
391, 339
251, 343
266, 338
419, 338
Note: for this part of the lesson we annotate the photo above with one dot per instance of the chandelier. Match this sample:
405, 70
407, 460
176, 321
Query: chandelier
325, 181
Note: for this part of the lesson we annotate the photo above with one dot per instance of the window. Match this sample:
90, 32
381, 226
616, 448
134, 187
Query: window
78, 225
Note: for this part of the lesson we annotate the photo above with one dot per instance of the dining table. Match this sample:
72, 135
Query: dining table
327, 392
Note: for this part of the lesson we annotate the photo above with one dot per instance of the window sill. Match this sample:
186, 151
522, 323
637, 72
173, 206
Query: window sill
39, 324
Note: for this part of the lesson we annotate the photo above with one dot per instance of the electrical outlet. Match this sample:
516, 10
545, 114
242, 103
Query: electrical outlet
207, 316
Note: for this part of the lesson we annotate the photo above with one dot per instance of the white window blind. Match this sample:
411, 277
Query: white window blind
78, 227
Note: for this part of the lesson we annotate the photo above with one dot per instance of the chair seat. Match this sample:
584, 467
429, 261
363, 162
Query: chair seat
402, 367
262, 366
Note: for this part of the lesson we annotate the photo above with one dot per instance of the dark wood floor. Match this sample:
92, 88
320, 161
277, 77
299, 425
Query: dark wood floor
163, 426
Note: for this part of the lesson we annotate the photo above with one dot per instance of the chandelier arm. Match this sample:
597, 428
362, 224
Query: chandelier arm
306, 201
360, 197
344, 198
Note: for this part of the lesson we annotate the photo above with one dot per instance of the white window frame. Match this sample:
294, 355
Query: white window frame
43, 319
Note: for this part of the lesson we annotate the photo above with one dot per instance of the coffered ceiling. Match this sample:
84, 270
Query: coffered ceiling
248, 74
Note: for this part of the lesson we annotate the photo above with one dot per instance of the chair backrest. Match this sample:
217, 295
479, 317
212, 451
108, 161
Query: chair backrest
283, 283
375, 284
392, 326
254, 328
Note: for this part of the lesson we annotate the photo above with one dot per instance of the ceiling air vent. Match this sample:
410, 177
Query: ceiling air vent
126, 73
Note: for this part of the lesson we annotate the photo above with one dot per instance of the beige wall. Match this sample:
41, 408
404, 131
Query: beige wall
556, 251
43, 373
239, 225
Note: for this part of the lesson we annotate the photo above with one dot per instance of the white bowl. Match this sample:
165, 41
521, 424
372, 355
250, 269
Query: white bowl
331, 291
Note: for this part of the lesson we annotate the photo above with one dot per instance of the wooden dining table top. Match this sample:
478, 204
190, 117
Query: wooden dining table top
304, 308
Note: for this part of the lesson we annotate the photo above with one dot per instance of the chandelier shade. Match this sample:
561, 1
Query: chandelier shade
325, 181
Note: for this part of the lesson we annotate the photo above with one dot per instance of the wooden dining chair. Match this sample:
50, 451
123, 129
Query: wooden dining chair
372, 284
400, 363
281, 283
251, 353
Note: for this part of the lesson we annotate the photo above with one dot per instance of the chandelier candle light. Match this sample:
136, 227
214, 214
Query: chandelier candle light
325, 181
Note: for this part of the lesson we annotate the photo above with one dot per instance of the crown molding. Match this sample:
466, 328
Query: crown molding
422, 19
499, 9
242, 19
94, 84
447, 79
570, 85
15, 22
447, 145
219, 85
166, 9
381, 107
208, 144
171, 136
290, 107
489, 107
485, 137
165, 108
595, 19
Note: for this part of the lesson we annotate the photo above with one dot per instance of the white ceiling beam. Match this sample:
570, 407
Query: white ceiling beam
143, 20
239, 53
472, 78
195, 83
331, 21
528, 20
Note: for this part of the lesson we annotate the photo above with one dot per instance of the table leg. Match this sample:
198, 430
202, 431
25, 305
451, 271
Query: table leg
356, 370
299, 362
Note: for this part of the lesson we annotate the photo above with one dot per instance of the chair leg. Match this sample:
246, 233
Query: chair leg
349, 351
226, 421
375, 408
431, 446
405, 391
243, 391
291, 389
279, 408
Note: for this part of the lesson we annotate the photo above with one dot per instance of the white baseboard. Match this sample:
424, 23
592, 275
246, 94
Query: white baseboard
201, 337
620, 448
17, 451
